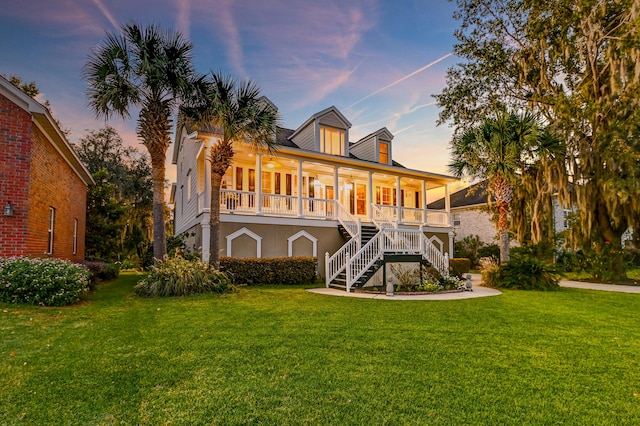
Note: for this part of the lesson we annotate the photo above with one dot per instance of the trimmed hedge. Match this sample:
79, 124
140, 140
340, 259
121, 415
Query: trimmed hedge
44, 282
276, 270
459, 266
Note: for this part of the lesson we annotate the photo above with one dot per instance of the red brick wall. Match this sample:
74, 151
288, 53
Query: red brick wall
15, 152
40, 178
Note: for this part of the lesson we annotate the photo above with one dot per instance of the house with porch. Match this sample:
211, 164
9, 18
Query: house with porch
346, 203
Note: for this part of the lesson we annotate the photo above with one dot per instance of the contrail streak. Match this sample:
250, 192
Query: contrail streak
419, 70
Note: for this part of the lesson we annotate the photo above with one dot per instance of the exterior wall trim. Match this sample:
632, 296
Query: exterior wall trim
245, 231
302, 234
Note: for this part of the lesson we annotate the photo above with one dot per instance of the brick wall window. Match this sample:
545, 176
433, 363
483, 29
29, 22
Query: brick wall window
75, 236
52, 222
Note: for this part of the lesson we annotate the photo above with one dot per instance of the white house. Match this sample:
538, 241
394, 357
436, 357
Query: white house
347, 203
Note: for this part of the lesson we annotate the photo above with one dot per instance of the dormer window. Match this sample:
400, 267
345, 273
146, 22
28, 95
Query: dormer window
383, 153
331, 141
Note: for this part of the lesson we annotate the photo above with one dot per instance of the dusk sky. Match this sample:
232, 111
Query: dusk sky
378, 61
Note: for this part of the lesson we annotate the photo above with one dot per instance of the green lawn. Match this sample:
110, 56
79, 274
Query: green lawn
281, 356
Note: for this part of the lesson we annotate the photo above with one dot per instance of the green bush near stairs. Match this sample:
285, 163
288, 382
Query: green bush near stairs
267, 271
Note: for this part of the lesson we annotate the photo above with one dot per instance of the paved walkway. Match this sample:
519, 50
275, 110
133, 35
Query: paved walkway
603, 287
478, 291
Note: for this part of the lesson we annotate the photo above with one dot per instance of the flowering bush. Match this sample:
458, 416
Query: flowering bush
176, 276
45, 282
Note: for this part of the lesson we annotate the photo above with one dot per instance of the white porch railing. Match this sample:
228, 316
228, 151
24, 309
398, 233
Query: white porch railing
437, 217
412, 216
237, 201
281, 205
318, 207
380, 218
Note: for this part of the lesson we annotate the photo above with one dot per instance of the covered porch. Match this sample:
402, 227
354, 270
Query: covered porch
312, 188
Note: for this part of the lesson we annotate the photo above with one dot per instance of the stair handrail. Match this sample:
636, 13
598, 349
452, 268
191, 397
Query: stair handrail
380, 218
362, 260
437, 259
337, 263
348, 221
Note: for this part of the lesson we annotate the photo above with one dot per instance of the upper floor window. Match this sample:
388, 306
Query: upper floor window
384, 153
456, 220
331, 141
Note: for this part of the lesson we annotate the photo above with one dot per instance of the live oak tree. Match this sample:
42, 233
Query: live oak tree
124, 173
577, 64
150, 69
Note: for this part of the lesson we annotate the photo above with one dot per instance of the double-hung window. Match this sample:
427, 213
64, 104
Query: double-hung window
384, 153
331, 141
52, 221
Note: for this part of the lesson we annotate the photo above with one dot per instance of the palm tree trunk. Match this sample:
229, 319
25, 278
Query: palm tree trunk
159, 235
214, 221
503, 229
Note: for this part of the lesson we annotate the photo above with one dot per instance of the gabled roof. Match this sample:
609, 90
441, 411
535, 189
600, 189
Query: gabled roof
474, 195
43, 119
314, 117
384, 132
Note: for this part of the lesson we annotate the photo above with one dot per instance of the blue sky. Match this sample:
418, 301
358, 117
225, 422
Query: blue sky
377, 61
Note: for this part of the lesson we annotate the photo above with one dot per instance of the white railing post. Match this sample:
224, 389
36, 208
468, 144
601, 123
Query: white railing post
326, 268
347, 274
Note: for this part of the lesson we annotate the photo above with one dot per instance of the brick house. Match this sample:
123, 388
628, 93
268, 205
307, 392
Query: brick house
43, 184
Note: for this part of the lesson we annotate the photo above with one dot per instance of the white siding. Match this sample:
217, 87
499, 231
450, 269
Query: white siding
305, 139
365, 149
186, 213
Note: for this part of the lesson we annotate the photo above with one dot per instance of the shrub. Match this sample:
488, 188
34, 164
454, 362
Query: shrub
45, 282
543, 250
101, 271
492, 250
177, 276
276, 270
469, 247
459, 266
522, 273
489, 269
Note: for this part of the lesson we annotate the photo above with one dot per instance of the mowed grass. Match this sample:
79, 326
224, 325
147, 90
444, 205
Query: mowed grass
284, 356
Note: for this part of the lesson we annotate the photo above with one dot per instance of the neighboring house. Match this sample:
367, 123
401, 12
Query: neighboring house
43, 184
470, 215
321, 195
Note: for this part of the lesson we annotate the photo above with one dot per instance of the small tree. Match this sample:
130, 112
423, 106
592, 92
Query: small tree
242, 115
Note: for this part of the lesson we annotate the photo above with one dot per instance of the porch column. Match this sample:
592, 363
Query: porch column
370, 196
259, 184
423, 193
205, 226
447, 203
207, 182
398, 200
300, 188
336, 191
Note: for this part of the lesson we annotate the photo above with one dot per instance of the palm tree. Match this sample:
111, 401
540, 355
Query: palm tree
150, 69
240, 114
497, 150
